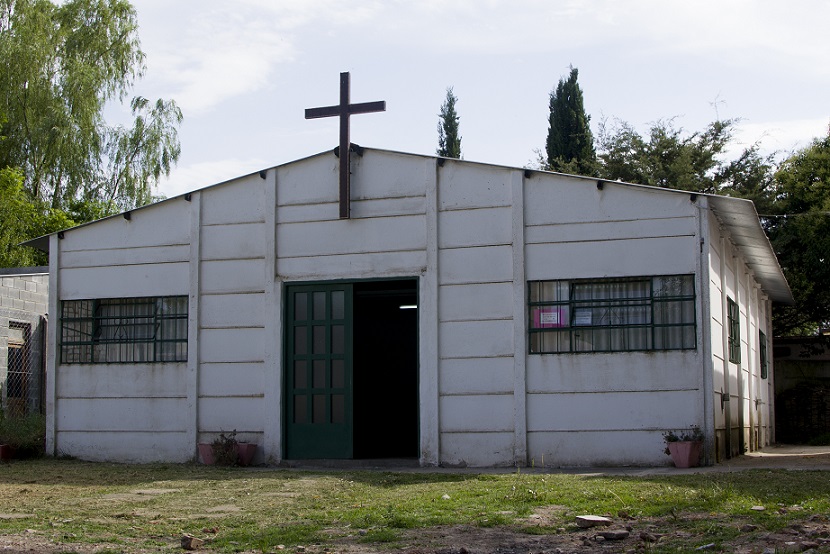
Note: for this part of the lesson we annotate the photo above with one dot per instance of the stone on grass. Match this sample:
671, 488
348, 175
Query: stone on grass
189, 542
592, 521
614, 534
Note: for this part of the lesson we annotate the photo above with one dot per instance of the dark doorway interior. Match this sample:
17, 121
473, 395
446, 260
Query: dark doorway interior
385, 369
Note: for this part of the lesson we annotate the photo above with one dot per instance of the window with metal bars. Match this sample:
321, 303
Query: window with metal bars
124, 330
762, 347
612, 315
733, 320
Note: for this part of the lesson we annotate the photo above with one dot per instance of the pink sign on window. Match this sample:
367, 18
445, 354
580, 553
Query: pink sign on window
550, 316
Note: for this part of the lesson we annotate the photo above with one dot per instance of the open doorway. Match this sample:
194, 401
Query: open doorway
385, 369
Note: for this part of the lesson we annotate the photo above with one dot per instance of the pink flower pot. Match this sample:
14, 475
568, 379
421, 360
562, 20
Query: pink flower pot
245, 452
206, 453
685, 453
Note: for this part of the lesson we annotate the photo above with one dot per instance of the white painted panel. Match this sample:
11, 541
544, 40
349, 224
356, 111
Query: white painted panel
244, 415
618, 371
121, 414
617, 230
239, 201
656, 256
125, 256
466, 185
128, 448
229, 379
167, 222
477, 449
386, 234
232, 310
121, 380
613, 410
233, 242
596, 449
490, 264
475, 301
475, 227
354, 266
232, 276
475, 339
125, 281
379, 174
476, 375
562, 199
476, 413
310, 181
232, 345
382, 207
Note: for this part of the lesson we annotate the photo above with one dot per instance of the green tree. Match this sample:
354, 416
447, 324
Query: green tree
667, 157
449, 141
570, 143
59, 66
800, 235
23, 218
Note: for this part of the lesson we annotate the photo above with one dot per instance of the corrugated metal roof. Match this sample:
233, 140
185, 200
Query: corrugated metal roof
741, 220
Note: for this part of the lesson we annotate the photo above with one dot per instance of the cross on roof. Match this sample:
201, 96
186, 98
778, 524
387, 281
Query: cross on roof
344, 110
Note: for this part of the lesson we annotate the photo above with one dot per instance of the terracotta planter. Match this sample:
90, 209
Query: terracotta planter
685, 453
245, 452
206, 453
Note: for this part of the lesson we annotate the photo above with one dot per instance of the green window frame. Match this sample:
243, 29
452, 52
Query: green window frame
124, 330
612, 314
762, 347
733, 320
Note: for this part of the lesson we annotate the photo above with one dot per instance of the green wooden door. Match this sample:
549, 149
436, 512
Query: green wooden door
318, 372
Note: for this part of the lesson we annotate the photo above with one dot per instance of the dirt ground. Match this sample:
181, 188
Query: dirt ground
812, 535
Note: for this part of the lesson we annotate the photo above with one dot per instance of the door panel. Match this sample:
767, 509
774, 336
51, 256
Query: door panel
319, 372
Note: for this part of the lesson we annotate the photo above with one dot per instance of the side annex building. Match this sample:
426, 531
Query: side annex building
464, 315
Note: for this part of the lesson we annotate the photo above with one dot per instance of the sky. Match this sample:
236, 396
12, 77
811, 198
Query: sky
244, 71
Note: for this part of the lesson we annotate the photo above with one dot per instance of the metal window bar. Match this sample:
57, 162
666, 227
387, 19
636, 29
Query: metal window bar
615, 315
124, 330
21, 394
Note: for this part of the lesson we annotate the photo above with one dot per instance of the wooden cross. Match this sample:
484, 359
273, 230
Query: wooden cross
344, 110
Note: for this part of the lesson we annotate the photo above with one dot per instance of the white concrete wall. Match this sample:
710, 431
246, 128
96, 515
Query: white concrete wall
743, 420
120, 412
232, 335
609, 408
475, 315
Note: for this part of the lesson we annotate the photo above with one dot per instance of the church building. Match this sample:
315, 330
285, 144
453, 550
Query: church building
446, 312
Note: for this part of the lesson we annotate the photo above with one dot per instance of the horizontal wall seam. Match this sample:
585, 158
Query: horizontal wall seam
469, 394
495, 245
136, 264
509, 356
354, 201
607, 239
473, 208
608, 221
605, 391
249, 258
119, 249
307, 257
234, 223
476, 320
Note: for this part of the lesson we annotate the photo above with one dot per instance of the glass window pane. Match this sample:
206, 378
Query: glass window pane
319, 340
338, 374
338, 339
338, 408
300, 374
301, 341
300, 306
338, 304
318, 380
300, 409
319, 305
319, 409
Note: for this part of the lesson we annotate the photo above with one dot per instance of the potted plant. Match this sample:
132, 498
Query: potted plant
684, 446
226, 450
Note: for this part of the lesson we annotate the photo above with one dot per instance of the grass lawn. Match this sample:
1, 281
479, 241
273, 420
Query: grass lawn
149, 507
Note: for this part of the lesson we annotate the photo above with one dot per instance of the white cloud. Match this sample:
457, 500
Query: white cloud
779, 136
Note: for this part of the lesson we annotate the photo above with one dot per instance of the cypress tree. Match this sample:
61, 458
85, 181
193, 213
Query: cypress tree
570, 144
449, 141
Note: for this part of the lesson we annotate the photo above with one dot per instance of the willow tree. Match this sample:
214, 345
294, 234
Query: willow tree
60, 64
